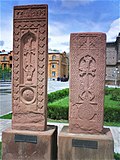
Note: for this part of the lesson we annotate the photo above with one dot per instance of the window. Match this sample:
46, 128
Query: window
53, 57
10, 65
53, 74
11, 58
4, 58
53, 65
5, 65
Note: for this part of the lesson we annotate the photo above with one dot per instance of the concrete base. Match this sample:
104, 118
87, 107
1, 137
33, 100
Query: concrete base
45, 147
70, 147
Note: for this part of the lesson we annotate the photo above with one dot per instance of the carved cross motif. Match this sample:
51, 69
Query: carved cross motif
29, 50
86, 69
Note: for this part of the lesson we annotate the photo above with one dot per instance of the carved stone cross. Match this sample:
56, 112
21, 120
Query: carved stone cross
30, 67
87, 74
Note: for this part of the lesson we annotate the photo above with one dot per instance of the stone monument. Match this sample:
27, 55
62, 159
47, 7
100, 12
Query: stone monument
30, 137
85, 138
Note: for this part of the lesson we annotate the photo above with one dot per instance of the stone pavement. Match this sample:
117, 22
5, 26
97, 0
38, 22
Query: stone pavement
115, 131
5, 98
57, 85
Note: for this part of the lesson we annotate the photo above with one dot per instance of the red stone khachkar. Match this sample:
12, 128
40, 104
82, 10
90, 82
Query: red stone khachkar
87, 78
30, 67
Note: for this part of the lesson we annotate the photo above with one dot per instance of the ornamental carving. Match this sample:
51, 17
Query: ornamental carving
27, 95
30, 13
30, 67
88, 42
87, 72
29, 57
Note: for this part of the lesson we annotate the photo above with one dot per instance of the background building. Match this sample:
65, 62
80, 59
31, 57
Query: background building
6, 59
113, 62
57, 65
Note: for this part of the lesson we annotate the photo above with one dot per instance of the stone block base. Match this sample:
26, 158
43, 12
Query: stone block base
85, 146
29, 145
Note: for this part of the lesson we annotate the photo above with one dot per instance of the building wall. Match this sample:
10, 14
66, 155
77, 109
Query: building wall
57, 65
113, 62
6, 59
111, 55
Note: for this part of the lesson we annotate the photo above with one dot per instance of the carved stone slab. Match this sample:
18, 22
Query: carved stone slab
87, 78
30, 67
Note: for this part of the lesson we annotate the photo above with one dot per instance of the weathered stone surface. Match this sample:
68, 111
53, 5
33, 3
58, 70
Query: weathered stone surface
30, 63
44, 149
67, 150
87, 78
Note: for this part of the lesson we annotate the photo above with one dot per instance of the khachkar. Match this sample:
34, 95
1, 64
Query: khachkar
30, 68
87, 68
30, 137
85, 138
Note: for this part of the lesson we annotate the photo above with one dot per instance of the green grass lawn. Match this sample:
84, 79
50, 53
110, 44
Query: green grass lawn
110, 103
61, 102
65, 102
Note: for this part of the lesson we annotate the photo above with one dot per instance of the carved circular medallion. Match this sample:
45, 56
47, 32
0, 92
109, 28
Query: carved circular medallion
86, 112
27, 95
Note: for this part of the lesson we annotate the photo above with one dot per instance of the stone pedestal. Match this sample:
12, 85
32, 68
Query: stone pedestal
85, 146
30, 145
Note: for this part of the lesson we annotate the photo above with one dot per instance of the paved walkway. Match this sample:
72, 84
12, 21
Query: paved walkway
115, 131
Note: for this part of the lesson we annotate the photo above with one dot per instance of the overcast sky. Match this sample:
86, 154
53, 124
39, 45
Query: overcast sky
65, 17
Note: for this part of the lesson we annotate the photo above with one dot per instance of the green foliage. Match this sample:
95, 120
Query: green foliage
59, 109
108, 91
57, 112
7, 116
5, 69
112, 105
117, 156
115, 95
116, 124
58, 95
5, 73
112, 114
